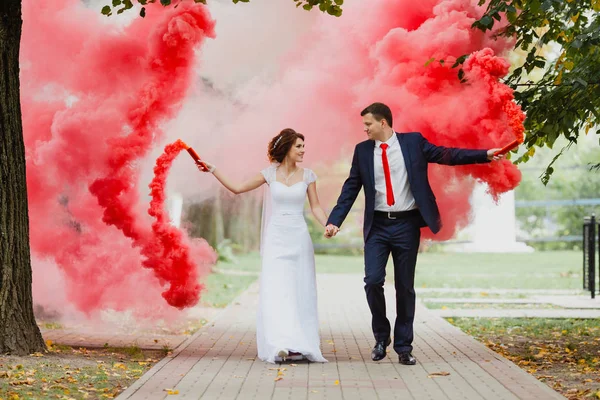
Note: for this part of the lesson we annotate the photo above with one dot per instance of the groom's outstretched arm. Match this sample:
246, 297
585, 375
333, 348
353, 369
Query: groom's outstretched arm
452, 155
350, 191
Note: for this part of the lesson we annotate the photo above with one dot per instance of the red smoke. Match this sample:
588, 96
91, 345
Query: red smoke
83, 159
379, 51
122, 84
430, 99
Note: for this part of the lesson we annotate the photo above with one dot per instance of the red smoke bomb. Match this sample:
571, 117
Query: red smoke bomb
196, 157
508, 147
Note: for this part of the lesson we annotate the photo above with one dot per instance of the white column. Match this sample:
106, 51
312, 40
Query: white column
175, 207
494, 228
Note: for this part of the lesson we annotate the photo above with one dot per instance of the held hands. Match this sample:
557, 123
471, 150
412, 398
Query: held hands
492, 156
204, 166
331, 231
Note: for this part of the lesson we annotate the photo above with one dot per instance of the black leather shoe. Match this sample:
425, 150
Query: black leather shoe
407, 359
379, 352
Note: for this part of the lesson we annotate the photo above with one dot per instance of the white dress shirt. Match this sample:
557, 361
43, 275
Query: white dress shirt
403, 196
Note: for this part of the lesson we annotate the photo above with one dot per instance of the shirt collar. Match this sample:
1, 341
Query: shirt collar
391, 141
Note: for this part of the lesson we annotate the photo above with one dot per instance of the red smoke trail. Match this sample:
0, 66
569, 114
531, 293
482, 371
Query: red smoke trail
83, 157
168, 254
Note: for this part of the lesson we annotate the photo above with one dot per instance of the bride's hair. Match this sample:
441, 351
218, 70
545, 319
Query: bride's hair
281, 144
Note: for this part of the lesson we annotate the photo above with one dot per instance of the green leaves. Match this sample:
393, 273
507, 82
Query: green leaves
560, 94
331, 7
459, 61
487, 22
123, 4
432, 59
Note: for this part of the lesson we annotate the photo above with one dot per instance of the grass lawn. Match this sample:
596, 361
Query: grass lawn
563, 353
69, 373
222, 289
539, 270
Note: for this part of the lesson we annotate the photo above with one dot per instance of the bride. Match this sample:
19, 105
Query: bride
287, 321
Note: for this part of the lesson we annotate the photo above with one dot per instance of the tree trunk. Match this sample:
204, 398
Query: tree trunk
19, 333
219, 226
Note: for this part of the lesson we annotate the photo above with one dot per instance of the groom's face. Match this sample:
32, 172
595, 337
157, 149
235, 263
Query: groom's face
373, 128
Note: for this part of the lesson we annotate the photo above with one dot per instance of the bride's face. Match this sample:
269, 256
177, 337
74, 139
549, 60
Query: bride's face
296, 152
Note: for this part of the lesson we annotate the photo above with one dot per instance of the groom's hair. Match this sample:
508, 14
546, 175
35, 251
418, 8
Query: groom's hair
380, 111
281, 144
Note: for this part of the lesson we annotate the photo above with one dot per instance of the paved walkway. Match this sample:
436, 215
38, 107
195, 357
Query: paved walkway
515, 313
574, 302
560, 292
219, 361
579, 307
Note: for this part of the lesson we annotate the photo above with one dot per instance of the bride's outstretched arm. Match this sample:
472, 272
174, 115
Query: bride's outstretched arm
235, 188
315, 205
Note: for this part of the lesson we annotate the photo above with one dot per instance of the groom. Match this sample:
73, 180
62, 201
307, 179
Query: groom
392, 169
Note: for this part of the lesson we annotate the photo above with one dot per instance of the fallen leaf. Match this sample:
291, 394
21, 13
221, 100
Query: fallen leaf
442, 373
171, 391
27, 381
278, 378
337, 382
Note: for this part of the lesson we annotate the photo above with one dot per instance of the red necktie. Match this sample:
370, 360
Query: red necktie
388, 179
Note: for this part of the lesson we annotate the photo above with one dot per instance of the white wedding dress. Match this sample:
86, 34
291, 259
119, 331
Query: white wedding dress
287, 316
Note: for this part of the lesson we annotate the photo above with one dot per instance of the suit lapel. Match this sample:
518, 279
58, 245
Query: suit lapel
406, 155
371, 163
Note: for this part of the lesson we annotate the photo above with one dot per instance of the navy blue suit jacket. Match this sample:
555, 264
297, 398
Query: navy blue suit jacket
417, 152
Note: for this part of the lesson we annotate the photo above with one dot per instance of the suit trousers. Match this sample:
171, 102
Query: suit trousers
401, 238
